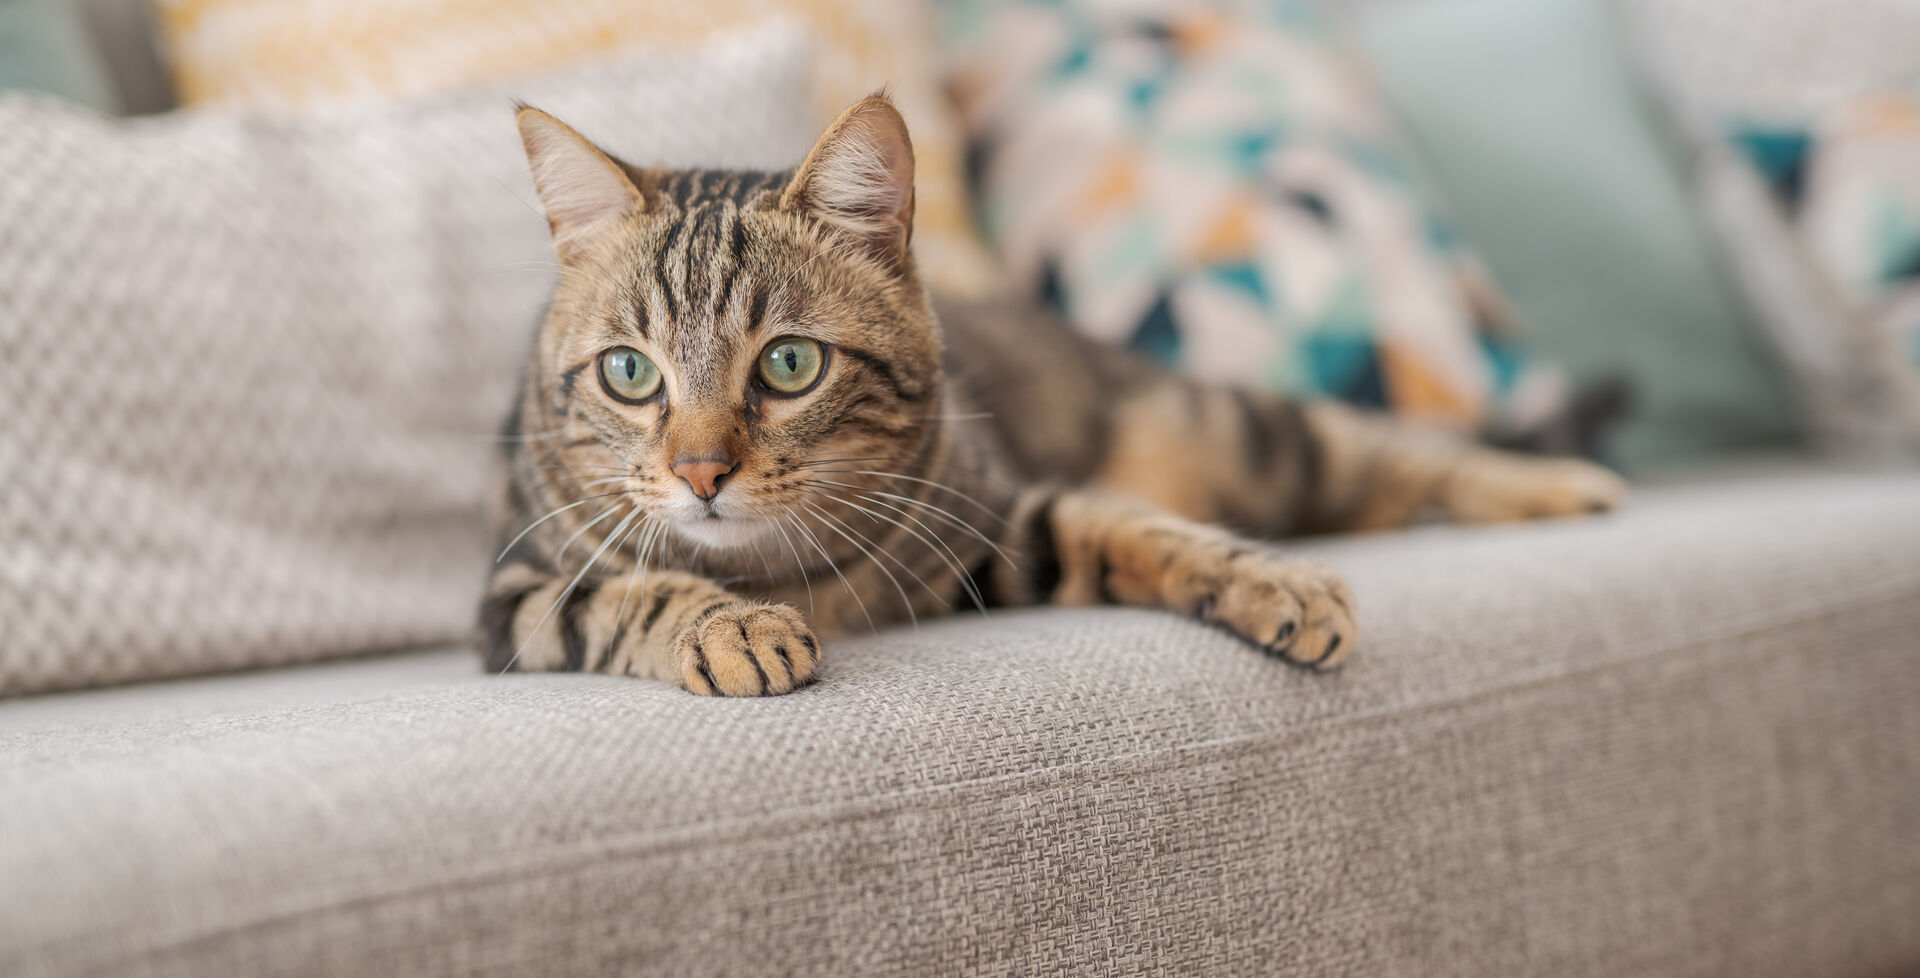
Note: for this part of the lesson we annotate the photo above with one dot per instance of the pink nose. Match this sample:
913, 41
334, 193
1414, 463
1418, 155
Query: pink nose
703, 475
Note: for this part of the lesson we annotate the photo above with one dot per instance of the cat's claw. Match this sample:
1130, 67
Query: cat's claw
1296, 610
747, 649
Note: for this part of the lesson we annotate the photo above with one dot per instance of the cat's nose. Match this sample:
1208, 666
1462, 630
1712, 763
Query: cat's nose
703, 475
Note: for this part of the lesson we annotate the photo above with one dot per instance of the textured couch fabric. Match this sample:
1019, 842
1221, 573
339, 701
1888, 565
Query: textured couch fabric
1680, 741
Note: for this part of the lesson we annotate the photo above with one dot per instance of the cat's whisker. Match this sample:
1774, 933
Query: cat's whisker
931, 541
765, 564
881, 519
606, 656
832, 520
943, 513
978, 470
534, 632
949, 517
925, 482
522, 534
798, 563
950, 558
584, 527
814, 538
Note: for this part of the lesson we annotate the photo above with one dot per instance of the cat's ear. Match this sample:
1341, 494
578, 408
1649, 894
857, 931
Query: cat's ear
582, 189
859, 178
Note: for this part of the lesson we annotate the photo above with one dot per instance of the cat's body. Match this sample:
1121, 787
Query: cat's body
743, 428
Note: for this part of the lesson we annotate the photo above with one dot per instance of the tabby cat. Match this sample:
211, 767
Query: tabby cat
741, 403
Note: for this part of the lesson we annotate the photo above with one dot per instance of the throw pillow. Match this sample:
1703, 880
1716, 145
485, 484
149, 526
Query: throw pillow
44, 48
289, 55
1215, 183
253, 367
1753, 89
1528, 112
1850, 182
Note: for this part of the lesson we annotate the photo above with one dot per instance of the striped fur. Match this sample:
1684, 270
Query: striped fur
984, 456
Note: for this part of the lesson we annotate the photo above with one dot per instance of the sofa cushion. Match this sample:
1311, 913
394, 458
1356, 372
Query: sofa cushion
1674, 742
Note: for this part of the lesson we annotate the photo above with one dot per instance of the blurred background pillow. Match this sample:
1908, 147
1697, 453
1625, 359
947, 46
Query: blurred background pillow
1763, 95
1848, 182
293, 56
1215, 184
1530, 120
44, 47
254, 366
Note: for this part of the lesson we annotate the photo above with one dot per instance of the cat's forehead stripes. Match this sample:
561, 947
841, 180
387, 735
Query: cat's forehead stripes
686, 188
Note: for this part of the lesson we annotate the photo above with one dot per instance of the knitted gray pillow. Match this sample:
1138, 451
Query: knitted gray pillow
251, 369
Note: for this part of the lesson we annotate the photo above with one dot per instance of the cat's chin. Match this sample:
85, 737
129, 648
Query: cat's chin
724, 534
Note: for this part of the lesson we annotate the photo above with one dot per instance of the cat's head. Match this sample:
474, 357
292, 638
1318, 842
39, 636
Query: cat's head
719, 340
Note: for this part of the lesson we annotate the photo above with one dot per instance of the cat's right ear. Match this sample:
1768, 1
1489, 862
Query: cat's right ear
583, 190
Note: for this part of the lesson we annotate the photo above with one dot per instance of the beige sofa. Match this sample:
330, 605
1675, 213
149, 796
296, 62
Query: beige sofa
1678, 741
1684, 740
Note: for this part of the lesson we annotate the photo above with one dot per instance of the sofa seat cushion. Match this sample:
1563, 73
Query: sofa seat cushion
1676, 741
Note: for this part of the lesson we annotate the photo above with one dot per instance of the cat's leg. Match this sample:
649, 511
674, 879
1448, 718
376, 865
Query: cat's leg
1083, 548
657, 624
1374, 472
1271, 465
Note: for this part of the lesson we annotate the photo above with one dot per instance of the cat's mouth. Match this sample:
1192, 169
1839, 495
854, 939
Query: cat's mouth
722, 532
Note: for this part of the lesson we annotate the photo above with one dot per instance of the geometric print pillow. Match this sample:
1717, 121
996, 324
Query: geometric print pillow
1849, 182
1215, 184
1797, 121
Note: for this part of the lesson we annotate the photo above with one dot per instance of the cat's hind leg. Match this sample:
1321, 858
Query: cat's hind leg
1273, 466
1375, 472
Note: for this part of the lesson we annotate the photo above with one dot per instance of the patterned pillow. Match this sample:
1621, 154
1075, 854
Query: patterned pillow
253, 367
1803, 121
292, 55
1851, 185
1216, 184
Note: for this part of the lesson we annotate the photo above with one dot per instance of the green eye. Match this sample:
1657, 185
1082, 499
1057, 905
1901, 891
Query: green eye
790, 364
628, 374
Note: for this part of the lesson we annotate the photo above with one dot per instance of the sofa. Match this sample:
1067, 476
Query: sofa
1674, 741
1677, 740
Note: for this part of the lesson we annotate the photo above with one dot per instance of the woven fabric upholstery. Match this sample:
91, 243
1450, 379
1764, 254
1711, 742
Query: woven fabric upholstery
253, 368
1676, 742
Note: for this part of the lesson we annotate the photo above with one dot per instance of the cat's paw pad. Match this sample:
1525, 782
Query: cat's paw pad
1295, 609
1529, 488
747, 649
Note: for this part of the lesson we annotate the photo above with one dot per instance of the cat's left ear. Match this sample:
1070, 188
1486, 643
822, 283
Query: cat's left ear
583, 190
859, 178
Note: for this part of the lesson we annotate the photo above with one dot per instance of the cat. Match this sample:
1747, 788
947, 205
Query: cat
741, 403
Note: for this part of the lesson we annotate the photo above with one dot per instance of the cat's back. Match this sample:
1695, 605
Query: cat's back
1044, 393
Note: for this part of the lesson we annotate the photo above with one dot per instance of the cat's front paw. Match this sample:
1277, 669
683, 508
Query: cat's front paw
746, 649
1295, 609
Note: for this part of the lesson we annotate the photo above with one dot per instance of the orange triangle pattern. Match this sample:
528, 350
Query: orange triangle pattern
1412, 389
